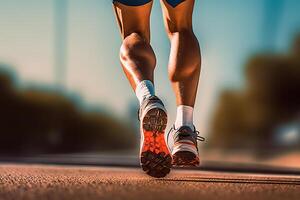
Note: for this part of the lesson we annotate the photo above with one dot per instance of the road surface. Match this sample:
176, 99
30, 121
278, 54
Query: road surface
24, 181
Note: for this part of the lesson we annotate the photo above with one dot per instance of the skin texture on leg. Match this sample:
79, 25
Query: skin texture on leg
185, 58
136, 55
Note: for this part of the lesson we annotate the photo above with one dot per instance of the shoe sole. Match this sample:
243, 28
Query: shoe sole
185, 159
155, 157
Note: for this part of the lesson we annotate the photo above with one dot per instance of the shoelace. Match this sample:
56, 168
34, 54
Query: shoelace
199, 138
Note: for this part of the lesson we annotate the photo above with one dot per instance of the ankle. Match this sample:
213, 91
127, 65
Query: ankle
184, 117
144, 89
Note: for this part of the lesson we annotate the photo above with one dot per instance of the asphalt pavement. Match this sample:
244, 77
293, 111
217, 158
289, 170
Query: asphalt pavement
31, 181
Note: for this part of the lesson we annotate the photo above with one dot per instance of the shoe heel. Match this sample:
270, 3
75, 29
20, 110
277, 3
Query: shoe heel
185, 159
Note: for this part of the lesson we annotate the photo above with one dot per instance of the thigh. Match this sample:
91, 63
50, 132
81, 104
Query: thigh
177, 14
174, 3
133, 2
133, 16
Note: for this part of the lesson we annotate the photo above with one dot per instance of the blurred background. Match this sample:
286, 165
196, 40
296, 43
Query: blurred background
63, 92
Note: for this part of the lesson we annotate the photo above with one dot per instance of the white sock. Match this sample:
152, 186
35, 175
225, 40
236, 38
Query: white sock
144, 90
184, 117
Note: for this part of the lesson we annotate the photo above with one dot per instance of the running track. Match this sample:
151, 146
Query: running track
25, 181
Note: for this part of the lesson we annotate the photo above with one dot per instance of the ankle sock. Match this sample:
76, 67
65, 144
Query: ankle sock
184, 116
144, 89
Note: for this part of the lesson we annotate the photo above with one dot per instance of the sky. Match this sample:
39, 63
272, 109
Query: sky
228, 33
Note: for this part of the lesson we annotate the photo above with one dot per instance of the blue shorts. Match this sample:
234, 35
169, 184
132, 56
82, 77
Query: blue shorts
173, 3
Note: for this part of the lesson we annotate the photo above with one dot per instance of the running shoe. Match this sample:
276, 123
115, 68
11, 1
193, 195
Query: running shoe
155, 158
185, 148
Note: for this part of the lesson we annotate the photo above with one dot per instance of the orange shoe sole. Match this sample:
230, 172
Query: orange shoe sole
155, 157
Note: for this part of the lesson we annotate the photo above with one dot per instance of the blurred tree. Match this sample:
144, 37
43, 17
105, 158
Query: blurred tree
247, 119
38, 121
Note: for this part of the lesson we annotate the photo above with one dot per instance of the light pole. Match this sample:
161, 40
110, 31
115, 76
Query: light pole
60, 41
272, 14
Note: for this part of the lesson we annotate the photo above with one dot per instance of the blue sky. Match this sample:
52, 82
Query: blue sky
228, 32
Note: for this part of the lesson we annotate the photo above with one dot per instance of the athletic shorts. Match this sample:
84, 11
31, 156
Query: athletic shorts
173, 3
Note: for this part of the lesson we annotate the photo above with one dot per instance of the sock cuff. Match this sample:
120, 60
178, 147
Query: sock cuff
144, 89
184, 116
144, 84
184, 107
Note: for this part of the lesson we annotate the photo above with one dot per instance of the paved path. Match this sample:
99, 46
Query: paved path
77, 182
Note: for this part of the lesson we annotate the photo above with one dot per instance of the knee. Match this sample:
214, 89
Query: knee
185, 59
135, 47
